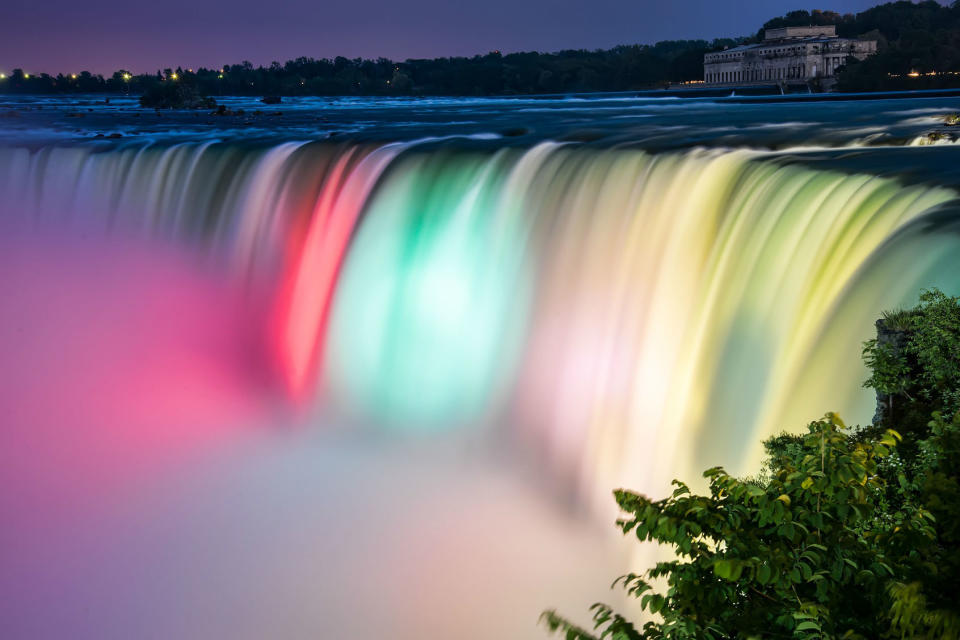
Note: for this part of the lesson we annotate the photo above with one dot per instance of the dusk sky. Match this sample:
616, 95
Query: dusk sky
105, 35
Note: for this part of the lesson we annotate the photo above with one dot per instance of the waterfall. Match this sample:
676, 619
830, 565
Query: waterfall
622, 317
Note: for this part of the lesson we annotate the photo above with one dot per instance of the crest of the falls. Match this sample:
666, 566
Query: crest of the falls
629, 317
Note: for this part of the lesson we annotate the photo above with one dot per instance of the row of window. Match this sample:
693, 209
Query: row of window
756, 75
789, 51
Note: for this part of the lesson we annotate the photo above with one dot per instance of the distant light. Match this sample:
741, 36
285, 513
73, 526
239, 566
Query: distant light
26, 76
190, 70
3, 76
914, 74
126, 76
220, 76
73, 75
173, 76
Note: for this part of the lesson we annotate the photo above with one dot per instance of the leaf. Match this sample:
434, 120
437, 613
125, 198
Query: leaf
723, 569
784, 498
764, 574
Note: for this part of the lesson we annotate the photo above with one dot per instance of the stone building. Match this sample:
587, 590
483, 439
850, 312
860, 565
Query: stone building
789, 55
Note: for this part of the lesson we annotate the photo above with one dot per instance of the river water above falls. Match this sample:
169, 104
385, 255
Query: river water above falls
261, 380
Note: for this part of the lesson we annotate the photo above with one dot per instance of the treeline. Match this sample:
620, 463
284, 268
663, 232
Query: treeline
622, 68
918, 48
918, 44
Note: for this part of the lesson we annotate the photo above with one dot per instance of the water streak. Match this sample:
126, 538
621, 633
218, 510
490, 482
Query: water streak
622, 317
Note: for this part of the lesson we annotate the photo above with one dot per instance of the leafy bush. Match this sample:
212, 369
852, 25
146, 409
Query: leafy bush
916, 359
848, 533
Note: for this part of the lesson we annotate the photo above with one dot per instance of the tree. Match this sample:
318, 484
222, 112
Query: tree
846, 533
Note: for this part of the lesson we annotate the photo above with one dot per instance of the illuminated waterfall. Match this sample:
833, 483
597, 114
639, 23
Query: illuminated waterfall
623, 317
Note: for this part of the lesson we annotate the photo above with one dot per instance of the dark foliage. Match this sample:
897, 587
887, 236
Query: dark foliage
619, 69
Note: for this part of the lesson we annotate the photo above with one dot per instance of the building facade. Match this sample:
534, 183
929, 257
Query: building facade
789, 55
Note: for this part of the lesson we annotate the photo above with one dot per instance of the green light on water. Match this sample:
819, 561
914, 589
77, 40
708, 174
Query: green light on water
432, 298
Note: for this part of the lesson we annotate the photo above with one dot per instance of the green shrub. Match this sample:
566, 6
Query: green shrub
847, 533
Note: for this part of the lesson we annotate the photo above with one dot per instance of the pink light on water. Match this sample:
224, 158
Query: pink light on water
310, 278
118, 359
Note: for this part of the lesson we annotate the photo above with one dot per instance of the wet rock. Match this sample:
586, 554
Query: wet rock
584, 135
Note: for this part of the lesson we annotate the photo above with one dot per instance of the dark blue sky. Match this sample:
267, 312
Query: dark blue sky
104, 35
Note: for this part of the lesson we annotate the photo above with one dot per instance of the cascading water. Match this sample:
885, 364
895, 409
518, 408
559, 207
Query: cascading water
617, 317
628, 314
